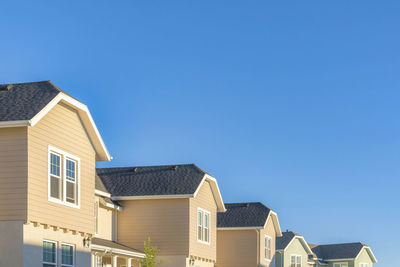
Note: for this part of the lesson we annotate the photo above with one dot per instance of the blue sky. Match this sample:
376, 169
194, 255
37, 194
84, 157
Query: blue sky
292, 103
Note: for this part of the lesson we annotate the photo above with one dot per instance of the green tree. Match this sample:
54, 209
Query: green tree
150, 258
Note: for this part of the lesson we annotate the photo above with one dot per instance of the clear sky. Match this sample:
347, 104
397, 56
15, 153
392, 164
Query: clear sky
291, 103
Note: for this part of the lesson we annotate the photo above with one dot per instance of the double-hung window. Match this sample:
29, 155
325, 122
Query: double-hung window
64, 174
49, 254
203, 226
340, 265
67, 255
295, 261
363, 264
267, 247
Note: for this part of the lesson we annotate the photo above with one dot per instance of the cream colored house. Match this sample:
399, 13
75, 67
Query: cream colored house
246, 235
49, 145
176, 206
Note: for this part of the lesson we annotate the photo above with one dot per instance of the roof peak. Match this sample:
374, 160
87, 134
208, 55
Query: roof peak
48, 81
339, 244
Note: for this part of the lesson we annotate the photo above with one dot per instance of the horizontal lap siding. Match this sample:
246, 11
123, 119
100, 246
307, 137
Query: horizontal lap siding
204, 200
13, 173
62, 129
166, 222
237, 248
269, 230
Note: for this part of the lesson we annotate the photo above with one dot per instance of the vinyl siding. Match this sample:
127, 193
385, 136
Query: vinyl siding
204, 200
165, 221
237, 248
62, 129
295, 248
363, 258
269, 230
13, 173
105, 222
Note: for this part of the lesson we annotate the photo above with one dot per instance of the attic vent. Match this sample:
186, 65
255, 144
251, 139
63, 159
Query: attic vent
6, 87
175, 168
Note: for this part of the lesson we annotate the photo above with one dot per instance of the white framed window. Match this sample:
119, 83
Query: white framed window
295, 260
96, 217
363, 264
67, 255
64, 178
203, 226
267, 247
49, 253
340, 265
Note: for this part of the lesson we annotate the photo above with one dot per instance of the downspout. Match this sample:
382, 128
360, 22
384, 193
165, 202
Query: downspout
258, 247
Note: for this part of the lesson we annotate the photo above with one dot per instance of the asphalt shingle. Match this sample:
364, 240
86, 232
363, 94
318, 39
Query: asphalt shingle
283, 241
253, 214
151, 180
22, 101
338, 251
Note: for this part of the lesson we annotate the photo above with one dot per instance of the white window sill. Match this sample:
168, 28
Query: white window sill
203, 242
55, 200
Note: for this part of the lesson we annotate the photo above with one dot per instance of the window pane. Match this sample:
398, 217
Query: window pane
49, 265
206, 220
206, 235
55, 164
292, 259
49, 252
67, 254
70, 192
55, 187
200, 225
70, 170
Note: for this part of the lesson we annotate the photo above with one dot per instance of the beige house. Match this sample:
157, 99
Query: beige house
176, 206
246, 235
55, 211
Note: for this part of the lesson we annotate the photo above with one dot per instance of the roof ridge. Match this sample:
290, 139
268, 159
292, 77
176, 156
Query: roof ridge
147, 166
25, 82
337, 244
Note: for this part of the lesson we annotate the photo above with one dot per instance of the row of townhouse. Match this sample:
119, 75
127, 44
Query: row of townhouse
58, 210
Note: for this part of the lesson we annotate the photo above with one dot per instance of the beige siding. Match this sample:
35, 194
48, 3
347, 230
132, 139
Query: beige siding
60, 128
105, 222
269, 230
166, 222
237, 248
13, 173
204, 200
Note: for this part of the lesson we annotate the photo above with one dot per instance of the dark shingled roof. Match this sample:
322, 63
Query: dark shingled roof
99, 185
112, 244
338, 251
22, 101
284, 240
253, 214
151, 180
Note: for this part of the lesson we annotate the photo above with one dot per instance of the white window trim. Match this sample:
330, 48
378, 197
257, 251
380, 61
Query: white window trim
64, 156
73, 255
202, 227
96, 218
265, 247
364, 264
56, 252
340, 264
295, 260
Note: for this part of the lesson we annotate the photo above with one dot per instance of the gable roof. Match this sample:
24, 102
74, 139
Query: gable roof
115, 247
166, 181
287, 238
251, 214
340, 251
25, 104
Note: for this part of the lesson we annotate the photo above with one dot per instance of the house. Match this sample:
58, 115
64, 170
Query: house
176, 206
246, 235
343, 255
49, 145
293, 250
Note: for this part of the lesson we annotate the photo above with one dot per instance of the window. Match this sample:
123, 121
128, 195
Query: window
67, 255
340, 265
63, 178
295, 261
203, 226
363, 264
267, 247
96, 217
49, 254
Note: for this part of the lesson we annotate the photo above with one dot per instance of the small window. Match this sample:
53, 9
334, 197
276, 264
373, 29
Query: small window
298, 261
295, 260
49, 254
55, 176
203, 226
363, 264
267, 247
340, 265
67, 255
71, 181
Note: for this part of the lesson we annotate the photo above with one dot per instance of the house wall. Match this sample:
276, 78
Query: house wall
269, 230
13, 174
236, 248
363, 258
295, 248
62, 129
33, 245
165, 221
204, 200
105, 222
11, 243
